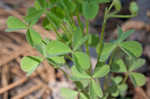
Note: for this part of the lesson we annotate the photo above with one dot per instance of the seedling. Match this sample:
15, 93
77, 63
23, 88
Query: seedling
119, 57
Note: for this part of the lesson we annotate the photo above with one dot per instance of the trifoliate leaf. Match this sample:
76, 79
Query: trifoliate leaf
137, 79
81, 60
101, 72
118, 66
132, 48
123, 35
137, 64
14, 24
55, 48
30, 63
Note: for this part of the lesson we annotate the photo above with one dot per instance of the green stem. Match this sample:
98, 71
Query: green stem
125, 78
79, 22
101, 38
121, 16
87, 32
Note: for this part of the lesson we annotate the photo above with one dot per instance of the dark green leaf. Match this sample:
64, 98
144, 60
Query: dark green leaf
118, 66
93, 40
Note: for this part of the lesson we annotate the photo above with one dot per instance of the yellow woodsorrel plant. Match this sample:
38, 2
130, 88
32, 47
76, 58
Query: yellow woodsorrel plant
117, 57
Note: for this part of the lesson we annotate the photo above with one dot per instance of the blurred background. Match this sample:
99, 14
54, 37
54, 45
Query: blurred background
45, 82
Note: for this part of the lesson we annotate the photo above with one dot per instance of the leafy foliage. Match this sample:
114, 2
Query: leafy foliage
114, 58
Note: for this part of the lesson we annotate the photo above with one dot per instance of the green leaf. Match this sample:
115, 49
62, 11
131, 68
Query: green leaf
117, 4
90, 9
54, 19
33, 15
102, 1
83, 96
81, 60
95, 90
93, 40
123, 35
101, 72
30, 63
33, 37
137, 79
80, 42
77, 36
68, 93
77, 76
132, 48
118, 66
55, 48
107, 50
137, 64
133, 8
57, 60
117, 79
42, 3
14, 23
122, 88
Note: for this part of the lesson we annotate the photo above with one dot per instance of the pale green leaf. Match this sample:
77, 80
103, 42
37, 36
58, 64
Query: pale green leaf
68, 93
33, 37
14, 23
30, 63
